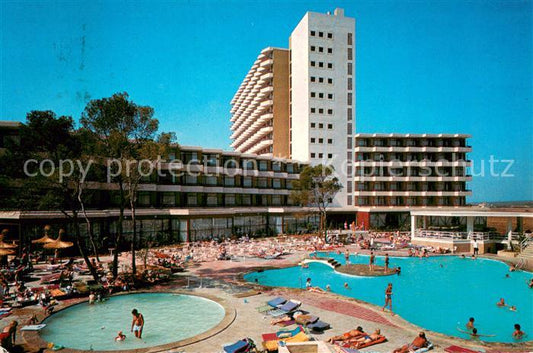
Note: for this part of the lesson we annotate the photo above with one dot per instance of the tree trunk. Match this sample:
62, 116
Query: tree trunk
133, 239
81, 248
118, 237
89, 225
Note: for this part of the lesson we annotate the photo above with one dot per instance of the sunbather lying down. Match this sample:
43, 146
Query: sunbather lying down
419, 342
362, 341
285, 318
347, 335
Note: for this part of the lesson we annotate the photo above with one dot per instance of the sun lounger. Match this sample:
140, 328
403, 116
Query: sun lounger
272, 346
241, 346
457, 349
286, 308
271, 304
277, 301
319, 326
281, 334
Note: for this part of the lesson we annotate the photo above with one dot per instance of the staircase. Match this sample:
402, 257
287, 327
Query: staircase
333, 263
325, 260
526, 254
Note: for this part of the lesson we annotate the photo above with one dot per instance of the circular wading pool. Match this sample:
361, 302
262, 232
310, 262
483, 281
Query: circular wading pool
168, 318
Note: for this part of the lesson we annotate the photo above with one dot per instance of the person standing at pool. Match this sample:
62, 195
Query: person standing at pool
388, 297
371, 262
308, 284
137, 323
347, 257
386, 262
475, 246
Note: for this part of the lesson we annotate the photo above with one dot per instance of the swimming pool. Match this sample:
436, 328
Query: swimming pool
168, 318
437, 293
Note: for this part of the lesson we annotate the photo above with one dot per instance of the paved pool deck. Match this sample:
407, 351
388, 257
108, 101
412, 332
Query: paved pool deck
223, 280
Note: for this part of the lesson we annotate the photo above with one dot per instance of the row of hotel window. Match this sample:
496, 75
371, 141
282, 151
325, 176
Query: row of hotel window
417, 142
211, 200
329, 35
322, 95
320, 50
214, 160
229, 181
321, 140
410, 186
321, 126
321, 155
408, 201
322, 65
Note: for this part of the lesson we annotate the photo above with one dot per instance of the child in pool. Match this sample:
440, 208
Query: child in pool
120, 336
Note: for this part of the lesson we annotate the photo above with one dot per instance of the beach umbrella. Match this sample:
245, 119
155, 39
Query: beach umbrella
4, 245
58, 243
44, 239
4, 251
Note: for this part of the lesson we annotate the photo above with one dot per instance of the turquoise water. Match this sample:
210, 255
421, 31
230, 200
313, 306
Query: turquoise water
438, 293
168, 318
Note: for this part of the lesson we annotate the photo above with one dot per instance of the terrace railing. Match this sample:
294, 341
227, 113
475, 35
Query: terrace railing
467, 236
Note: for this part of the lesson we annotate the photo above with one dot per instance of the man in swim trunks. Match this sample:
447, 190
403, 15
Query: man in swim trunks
137, 323
371, 262
388, 297
367, 338
386, 263
419, 342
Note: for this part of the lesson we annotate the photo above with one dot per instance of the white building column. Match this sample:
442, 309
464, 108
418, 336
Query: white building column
469, 224
509, 225
413, 226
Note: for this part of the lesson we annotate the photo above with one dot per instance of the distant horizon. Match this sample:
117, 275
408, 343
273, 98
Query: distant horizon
421, 67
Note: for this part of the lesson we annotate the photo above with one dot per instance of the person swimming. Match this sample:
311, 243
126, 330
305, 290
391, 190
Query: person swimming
346, 285
501, 302
120, 336
470, 323
518, 333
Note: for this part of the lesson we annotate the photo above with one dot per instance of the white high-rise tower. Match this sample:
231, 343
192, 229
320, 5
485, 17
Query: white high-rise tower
322, 100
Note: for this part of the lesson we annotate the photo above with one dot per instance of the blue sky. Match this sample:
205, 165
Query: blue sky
448, 66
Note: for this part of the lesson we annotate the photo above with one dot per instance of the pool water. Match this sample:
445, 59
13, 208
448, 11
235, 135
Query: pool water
168, 318
437, 293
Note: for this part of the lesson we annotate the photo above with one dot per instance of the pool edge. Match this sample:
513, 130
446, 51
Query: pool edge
34, 340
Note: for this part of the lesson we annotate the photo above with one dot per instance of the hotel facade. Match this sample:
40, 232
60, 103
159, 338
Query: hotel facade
385, 174
194, 194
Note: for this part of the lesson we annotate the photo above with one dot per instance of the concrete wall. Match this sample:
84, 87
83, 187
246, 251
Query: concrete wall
280, 82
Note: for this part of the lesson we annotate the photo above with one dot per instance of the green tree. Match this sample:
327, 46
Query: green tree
60, 184
316, 188
124, 130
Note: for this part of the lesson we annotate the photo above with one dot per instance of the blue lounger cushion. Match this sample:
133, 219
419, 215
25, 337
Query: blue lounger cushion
276, 301
290, 306
319, 326
237, 347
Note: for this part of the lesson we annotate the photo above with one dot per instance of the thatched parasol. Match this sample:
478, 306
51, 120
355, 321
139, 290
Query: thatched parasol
58, 243
44, 239
4, 251
4, 245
